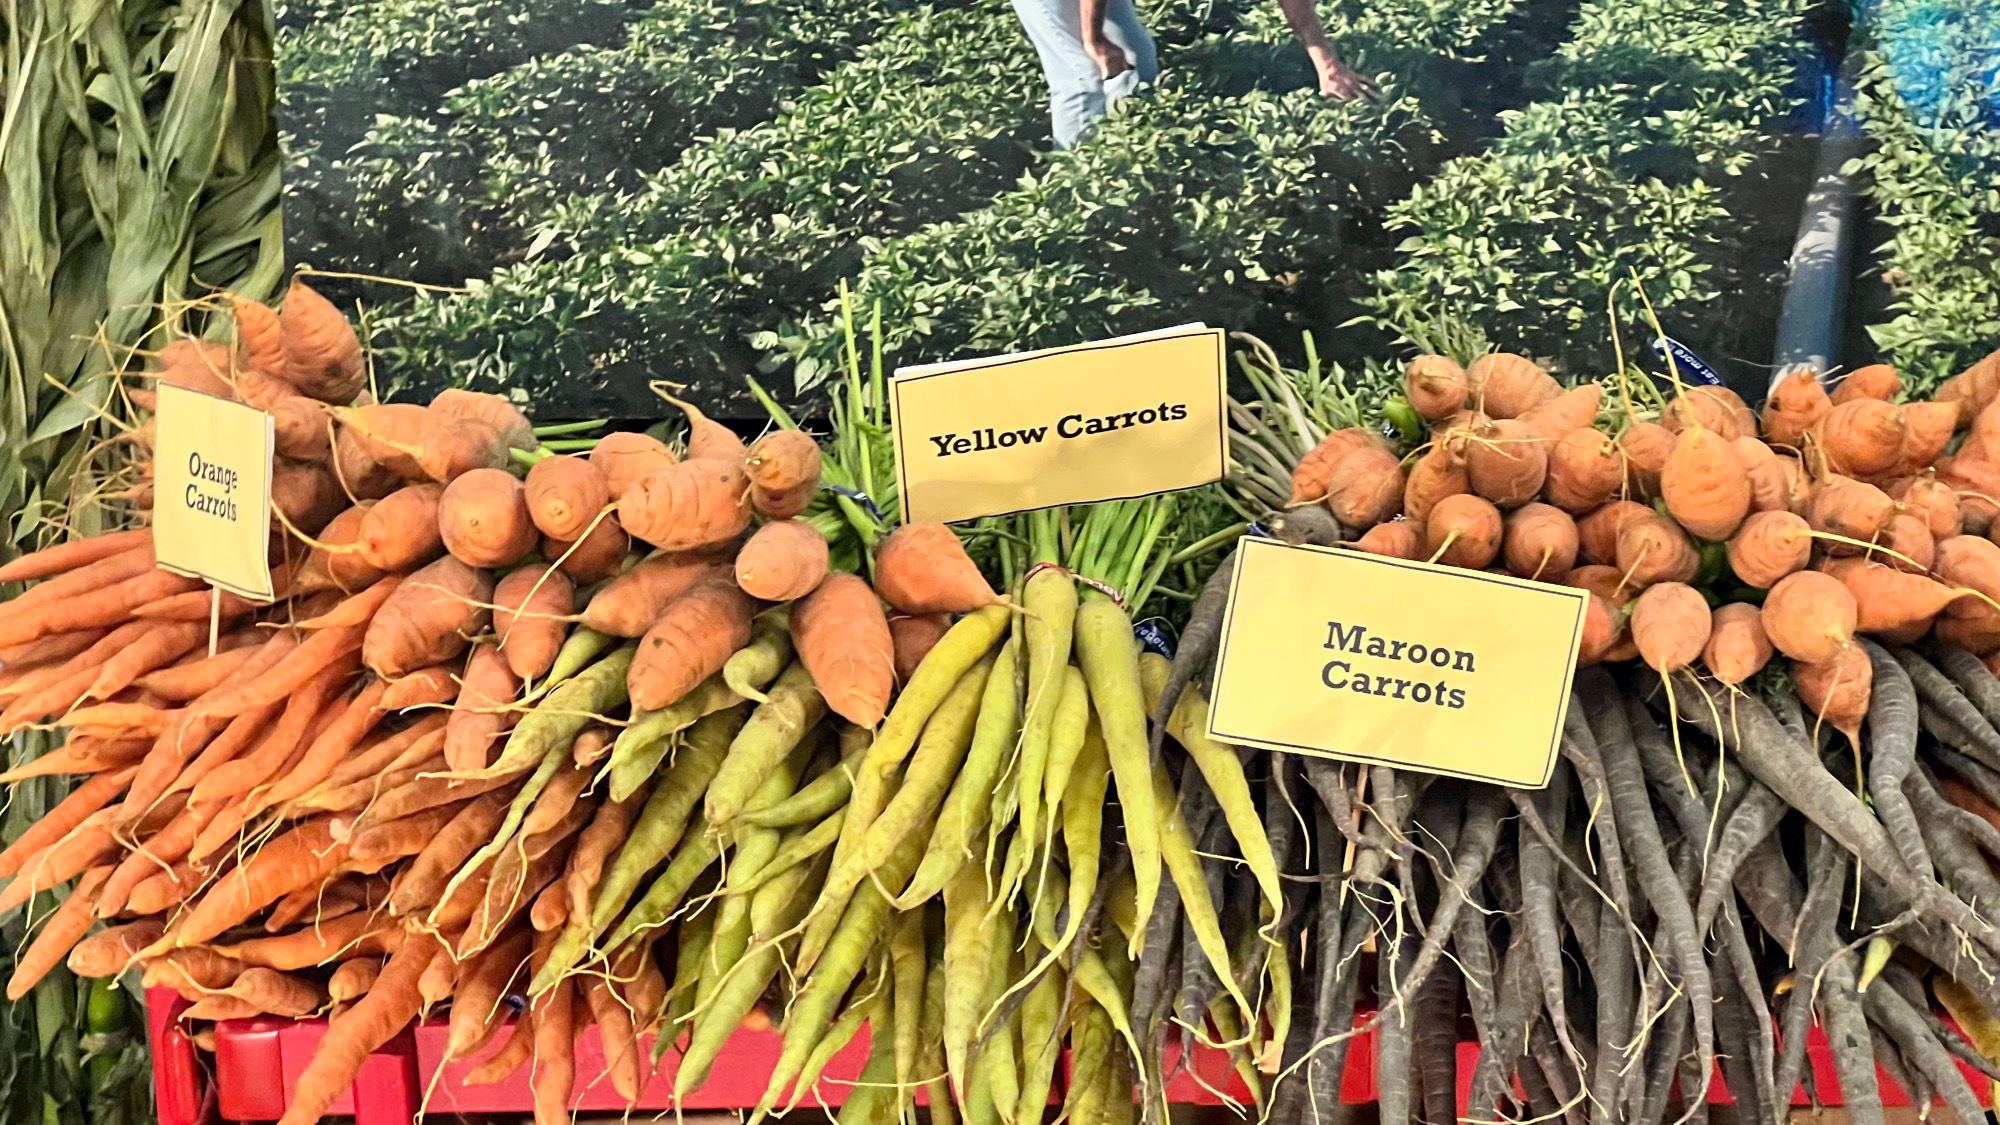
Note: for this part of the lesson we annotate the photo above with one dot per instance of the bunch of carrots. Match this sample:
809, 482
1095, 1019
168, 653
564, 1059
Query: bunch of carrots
661, 740
1780, 776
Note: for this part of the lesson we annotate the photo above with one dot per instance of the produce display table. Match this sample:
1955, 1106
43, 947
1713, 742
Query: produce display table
257, 1061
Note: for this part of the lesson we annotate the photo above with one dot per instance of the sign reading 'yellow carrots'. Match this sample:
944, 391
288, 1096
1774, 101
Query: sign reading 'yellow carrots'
1355, 656
1105, 421
212, 491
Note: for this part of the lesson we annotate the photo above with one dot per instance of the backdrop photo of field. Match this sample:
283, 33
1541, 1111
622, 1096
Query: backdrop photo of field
608, 192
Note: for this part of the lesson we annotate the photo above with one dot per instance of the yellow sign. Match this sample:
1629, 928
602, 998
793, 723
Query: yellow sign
1105, 421
212, 491
1372, 659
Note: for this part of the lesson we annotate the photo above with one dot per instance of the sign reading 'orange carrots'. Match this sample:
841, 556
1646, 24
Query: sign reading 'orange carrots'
1105, 421
212, 491
1372, 659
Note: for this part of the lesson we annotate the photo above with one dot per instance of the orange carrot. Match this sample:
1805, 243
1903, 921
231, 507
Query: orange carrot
111, 951
75, 553
483, 983
1810, 616
380, 845
1670, 624
627, 457
784, 560
707, 438
45, 651
1597, 530
1463, 530
693, 504
81, 756
1540, 541
1365, 488
198, 365
1646, 447
1847, 507
296, 858
1437, 474
354, 611
428, 619
1710, 408
400, 532
1887, 599
595, 557
1932, 500
1705, 484
357, 471
783, 504
1435, 386
1877, 380
83, 802
923, 568
302, 664
95, 610
83, 847
490, 410
484, 711
629, 605
1909, 539
1399, 539
1770, 483
1927, 429
505, 1061
842, 637
218, 776
322, 356
1769, 546
1795, 404
193, 973
306, 495
1974, 388
355, 1033
564, 494
426, 687
618, 1037
1969, 562
84, 579
321, 942
191, 678
1506, 385
1737, 648
1837, 689
1602, 629
393, 751
533, 610
57, 936
1507, 463
1861, 437
1585, 471
353, 978
1572, 410
1655, 549
483, 519
325, 752
1310, 475
783, 461
302, 428
691, 641
337, 560
156, 648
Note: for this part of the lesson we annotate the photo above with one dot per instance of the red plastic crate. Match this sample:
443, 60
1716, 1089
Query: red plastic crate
257, 1063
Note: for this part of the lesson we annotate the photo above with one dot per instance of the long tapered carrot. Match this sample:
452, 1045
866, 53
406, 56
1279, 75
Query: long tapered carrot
83, 802
291, 672
93, 609
81, 756
157, 648
357, 609
58, 935
244, 731
85, 846
393, 751
236, 776
181, 742
74, 554
56, 688
183, 682
355, 1034
45, 651
358, 934
156, 853
107, 571
327, 751
300, 857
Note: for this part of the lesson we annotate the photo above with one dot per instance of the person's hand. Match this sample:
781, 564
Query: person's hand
1110, 58
1338, 80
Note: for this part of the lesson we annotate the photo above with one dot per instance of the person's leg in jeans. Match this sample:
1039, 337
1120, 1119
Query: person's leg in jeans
1122, 26
1076, 91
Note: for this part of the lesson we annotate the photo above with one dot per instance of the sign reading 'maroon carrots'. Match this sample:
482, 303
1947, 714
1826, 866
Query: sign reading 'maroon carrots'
1075, 425
1349, 655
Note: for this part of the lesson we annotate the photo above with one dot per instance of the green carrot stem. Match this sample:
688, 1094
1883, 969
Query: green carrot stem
558, 429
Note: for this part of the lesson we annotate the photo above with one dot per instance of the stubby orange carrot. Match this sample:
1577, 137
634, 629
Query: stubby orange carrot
1670, 624
483, 519
1653, 549
923, 568
1837, 689
1705, 484
708, 438
1810, 616
1795, 404
1507, 463
489, 410
1876, 380
1769, 546
627, 457
1737, 648
1585, 470
322, 355
783, 461
784, 560
691, 641
1646, 447
595, 557
1366, 487
1860, 437
564, 494
1711, 408
693, 504
1597, 530
842, 637
531, 616
400, 531
1540, 541
1436, 386
628, 605
484, 711
1505, 385
1399, 539
1309, 476
429, 618
1464, 530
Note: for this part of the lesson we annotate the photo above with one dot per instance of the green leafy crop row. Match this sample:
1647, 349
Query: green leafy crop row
1927, 97
1643, 157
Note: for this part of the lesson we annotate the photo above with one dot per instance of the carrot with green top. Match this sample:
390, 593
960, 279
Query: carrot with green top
774, 729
